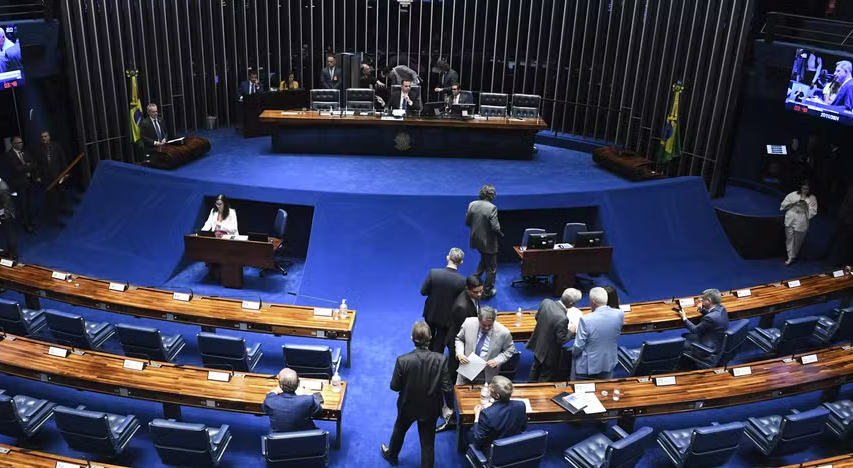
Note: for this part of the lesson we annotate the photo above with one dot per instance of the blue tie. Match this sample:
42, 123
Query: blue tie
480, 342
405, 103
157, 127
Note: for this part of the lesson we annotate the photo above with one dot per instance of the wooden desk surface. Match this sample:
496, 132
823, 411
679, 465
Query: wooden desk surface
314, 118
765, 299
278, 319
170, 383
702, 389
26, 458
841, 461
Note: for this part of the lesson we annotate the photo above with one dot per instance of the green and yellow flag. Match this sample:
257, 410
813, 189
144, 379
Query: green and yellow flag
670, 141
136, 114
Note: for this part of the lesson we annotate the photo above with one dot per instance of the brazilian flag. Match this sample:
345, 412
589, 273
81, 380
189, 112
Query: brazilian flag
670, 140
136, 114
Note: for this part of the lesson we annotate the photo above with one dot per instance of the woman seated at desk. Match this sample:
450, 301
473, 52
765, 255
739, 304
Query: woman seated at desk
223, 219
290, 83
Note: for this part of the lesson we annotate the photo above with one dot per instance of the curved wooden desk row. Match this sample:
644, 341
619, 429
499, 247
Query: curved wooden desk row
170, 384
278, 319
14, 457
695, 390
841, 461
765, 301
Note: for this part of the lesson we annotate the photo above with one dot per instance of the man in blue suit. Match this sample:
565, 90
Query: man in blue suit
250, 86
288, 411
715, 321
594, 351
504, 418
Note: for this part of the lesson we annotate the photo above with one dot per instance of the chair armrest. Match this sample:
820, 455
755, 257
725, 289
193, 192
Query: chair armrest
81, 407
715, 423
619, 432
223, 431
701, 347
481, 457
794, 411
119, 430
2, 391
761, 427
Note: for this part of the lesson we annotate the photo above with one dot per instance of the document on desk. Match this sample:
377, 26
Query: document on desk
475, 365
526, 403
593, 404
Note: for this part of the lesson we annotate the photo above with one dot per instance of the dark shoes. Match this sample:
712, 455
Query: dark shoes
490, 293
386, 454
447, 424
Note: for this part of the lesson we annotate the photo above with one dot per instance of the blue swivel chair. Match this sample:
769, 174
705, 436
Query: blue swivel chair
510, 367
74, 330
701, 447
530, 280
524, 450
838, 326
315, 361
840, 419
571, 230
21, 416
20, 321
279, 227
794, 335
779, 435
600, 451
228, 352
95, 432
147, 343
703, 358
652, 356
186, 444
303, 449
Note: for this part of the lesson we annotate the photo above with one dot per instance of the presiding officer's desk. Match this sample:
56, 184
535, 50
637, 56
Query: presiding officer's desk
764, 301
253, 104
15, 457
696, 390
215, 312
173, 385
564, 264
231, 255
312, 132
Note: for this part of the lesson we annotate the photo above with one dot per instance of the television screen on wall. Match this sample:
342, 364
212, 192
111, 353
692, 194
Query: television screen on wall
11, 66
821, 85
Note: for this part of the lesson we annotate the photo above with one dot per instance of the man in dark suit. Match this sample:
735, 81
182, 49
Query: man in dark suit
153, 130
404, 98
504, 418
288, 411
441, 287
458, 97
549, 336
715, 321
482, 218
844, 77
422, 380
446, 77
21, 172
52, 162
330, 76
250, 86
7, 215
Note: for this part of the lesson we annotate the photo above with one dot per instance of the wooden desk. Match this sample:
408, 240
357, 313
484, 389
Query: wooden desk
312, 133
172, 385
25, 458
172, 156
254, 104
277, 319
231, 255
564, 264
701, 389
841, 461
765, 302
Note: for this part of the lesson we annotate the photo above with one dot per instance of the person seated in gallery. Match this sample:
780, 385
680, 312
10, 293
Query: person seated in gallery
222, 219
290, 83
503, 418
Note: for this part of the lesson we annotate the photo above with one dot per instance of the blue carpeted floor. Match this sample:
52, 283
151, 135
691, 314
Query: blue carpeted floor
379, 224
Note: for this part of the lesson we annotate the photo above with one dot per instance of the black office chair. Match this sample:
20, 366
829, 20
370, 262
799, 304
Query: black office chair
493, 104
525, 106
360, 99
325, 99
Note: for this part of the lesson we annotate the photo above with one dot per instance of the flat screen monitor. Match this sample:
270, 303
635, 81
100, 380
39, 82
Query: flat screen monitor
541, 241
817, 86
11, 66
589, 239
456, 109
433, 109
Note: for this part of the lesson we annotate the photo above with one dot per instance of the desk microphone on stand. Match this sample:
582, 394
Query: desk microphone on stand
312, 297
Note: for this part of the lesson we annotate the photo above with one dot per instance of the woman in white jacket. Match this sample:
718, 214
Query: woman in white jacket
799, 208
223, 219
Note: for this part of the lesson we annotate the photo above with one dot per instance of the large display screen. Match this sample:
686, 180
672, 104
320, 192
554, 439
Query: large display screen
11, 67
821, 85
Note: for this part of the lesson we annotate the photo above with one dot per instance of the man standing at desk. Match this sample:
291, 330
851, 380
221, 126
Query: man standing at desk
441, 287
549, 336
596, 342
482, 218
403, 99
446, 77
330, 77
484, 336
153, 130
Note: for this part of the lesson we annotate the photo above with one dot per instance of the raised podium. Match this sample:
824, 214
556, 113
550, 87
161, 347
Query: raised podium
230, 255
174, 155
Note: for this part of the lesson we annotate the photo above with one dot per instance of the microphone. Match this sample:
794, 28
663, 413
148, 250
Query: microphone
312, 297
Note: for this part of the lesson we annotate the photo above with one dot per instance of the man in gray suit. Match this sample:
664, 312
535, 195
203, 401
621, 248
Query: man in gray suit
489, 339
482, 218
594, 351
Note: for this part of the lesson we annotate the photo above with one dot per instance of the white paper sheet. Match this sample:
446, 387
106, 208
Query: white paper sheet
475, 365
526, 403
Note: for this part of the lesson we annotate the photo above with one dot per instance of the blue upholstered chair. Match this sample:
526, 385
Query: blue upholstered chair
228, 352
840, 419
147, 343
303, 449
21, 416
510, 367
838, 326
95, 432
701, 447
524, 450
315, 361
20, 321
703, 358
186, 444
571, 230
74, 330
779, 435
279, 228
794, 335
600, 451
652, 356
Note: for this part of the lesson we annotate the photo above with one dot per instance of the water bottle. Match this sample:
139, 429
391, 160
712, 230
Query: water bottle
342, 310
519, 316
485, 395
336, 383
